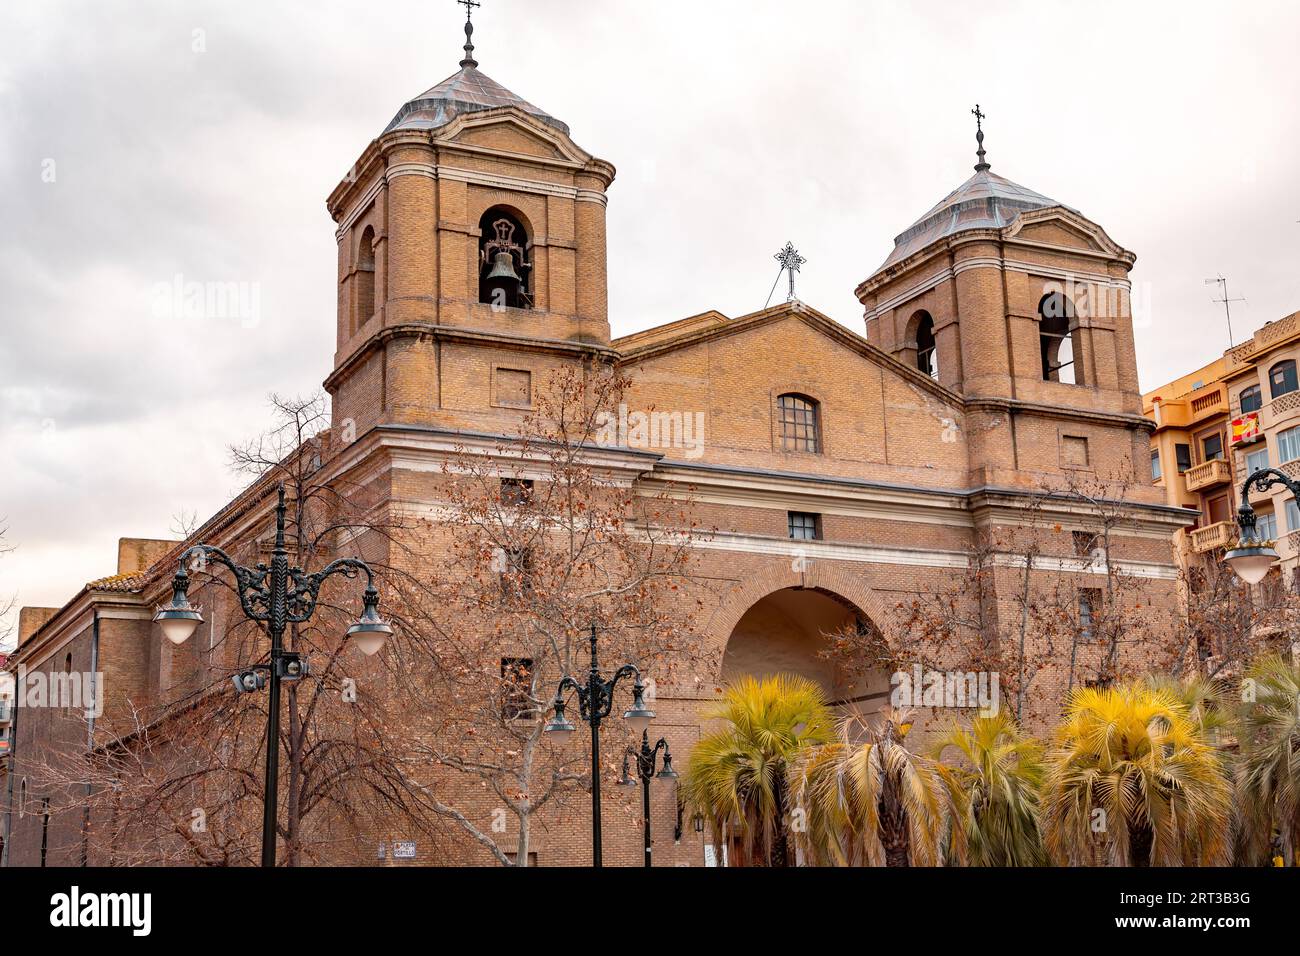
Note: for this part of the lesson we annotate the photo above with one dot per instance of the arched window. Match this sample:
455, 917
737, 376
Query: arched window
800, 423
365, 278
1058, 340
504, 270
22, 799
1282, 378
1251, 399
927, 358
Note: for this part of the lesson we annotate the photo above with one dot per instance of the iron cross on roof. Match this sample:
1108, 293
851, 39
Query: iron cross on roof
790, 262
980, 117
469, 6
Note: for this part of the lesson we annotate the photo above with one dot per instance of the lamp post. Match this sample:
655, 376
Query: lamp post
595, 702
645, 769
1252, 557
275, 596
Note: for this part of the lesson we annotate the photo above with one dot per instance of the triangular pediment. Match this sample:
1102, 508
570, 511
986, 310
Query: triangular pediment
1058, 227
510, 131
646, 346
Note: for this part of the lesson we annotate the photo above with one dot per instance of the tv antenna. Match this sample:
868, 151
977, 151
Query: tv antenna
1222, 283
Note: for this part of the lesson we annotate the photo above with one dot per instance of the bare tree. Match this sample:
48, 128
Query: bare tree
183, 782
541, 536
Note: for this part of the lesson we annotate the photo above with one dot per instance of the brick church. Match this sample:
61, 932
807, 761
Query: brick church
846, 470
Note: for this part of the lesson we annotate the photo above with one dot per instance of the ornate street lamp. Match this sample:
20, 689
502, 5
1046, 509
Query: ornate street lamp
595, 702
645, 770
1253, 556
275, 596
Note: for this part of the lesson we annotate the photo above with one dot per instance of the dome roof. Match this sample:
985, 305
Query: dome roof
985, 201
467, 91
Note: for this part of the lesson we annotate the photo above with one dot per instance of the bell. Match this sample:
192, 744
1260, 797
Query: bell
503, 268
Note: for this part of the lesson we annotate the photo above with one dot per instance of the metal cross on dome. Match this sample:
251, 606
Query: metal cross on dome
790, 262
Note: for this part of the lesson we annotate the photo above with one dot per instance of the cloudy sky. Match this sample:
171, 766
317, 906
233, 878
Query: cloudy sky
144, 143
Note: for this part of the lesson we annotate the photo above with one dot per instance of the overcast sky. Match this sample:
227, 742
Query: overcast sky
141, 141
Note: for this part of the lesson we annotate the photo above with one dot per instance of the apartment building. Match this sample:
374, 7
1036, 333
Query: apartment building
1220, 423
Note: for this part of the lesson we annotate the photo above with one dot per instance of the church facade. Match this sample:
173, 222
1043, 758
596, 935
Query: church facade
846, 471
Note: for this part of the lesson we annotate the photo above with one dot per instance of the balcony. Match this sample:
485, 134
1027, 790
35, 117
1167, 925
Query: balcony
1216, 471
1208, 401
1221, 534
1282, 409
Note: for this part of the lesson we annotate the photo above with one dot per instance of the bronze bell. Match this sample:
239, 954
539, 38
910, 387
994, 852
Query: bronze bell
503, 268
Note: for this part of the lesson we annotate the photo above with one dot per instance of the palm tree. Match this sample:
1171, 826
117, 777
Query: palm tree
1268, 777
1130, 763
994, 788
737, 776
871, 801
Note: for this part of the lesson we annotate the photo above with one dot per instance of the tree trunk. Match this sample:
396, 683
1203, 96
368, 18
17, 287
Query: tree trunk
780, 842
1139, 845
525, 830
894, 834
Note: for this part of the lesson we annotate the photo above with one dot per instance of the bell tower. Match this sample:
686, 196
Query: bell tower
471, 254
1021, 305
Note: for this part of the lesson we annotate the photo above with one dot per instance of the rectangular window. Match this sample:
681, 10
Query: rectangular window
1184, 455
1074, 451
805, 526
1266, 525
513, 387
1292, 515
516, 491
1288, 445
1089, 606
516, 688
1155, 466
1212, 447
800, 428
516, 567
1255, 460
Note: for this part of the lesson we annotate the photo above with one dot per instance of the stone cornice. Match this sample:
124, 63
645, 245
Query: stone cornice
452, 333
1014, 406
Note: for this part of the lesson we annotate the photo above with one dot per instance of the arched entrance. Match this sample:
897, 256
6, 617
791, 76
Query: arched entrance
791, 631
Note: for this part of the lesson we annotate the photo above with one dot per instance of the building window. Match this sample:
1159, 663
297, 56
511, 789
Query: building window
517, 688
365, 279
516, 567
1155, 466
1292, 515
1058, 340
1183, 453
504, 269
1089, 606
1251, 399
1074, 451
1266, 524
1212, 446
805, 526
513, 387
516, 491
1282, 378
1255, 460
927, 358
800, 425
1288, 445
